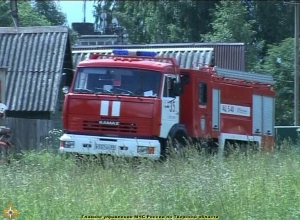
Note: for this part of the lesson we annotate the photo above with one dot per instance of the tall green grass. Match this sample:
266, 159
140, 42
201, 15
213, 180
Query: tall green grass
49, 186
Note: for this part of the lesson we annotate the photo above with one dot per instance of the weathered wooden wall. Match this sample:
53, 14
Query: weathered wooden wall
29, 134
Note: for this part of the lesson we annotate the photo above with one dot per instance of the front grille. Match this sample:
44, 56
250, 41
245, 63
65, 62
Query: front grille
122, 127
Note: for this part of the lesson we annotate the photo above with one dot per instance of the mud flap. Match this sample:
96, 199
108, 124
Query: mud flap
221, 146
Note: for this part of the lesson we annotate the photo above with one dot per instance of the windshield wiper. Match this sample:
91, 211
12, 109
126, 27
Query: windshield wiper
103, 90
83, 90
124, 90
129, 93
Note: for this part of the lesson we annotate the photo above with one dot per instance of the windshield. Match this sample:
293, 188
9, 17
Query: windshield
119, 81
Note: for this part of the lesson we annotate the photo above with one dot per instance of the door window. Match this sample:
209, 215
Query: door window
202, 93
169, 86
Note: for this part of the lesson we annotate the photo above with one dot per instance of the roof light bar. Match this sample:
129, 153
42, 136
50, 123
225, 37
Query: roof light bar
134, 53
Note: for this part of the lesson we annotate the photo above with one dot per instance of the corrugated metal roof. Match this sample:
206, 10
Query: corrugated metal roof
165, 45
34, 57
186, 57
3, 74
229, 56
226, 55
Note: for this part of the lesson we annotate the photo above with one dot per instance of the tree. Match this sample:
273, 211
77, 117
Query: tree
51, 11
100, 7
32, 15
162, 21
128, 14
279, 63
274, 21
28, 16
73, 36
5, 17
177, 21
41, 13
232, 23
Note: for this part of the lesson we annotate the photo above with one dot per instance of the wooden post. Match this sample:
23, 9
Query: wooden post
296, 73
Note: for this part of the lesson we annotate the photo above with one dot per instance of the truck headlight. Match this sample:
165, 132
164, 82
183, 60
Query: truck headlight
67, 144
145, 150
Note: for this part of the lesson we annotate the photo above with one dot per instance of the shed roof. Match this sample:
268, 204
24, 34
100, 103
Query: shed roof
34, 58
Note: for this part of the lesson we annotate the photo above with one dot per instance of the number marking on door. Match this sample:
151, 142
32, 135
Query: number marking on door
172, 106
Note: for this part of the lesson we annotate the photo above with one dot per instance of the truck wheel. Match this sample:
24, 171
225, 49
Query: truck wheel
176, 144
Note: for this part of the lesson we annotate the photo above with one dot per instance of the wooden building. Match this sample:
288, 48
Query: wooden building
35, 58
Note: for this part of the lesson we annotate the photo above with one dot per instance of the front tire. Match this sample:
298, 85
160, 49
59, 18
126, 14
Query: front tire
176, 145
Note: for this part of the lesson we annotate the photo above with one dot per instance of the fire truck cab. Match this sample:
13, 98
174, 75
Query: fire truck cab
131, 103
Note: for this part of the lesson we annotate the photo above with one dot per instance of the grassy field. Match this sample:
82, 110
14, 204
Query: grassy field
261, 186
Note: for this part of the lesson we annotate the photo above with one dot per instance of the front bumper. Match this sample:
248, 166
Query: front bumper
123, 147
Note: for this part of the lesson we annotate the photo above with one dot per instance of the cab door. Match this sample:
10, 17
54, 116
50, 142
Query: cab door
202, 122
170, 105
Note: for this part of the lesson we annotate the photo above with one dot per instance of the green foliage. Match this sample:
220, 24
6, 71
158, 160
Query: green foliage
274, 21
164, 21
28, 16
232, 24
131, 15
41, 13
51, 11
5, 18
279, 63
53, 138
99, 7
73, 36
258, 186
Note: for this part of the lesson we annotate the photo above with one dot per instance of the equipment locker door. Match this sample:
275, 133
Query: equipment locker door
216, 109
202, 112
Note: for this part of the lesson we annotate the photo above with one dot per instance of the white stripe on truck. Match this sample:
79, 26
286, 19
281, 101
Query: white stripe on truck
104, 108
116, 108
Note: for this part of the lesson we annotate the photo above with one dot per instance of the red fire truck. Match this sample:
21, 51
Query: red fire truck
132, 102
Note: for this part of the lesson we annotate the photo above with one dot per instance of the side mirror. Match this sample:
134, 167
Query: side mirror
185, 78
178, 88
65, 89
170, 82
3, 108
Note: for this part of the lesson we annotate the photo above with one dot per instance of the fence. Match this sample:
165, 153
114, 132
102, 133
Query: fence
288, 133
29, 134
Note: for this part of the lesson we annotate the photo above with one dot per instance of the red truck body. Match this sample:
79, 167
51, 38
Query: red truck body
202, 102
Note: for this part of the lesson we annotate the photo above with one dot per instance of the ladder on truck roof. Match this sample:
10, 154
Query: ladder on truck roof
248, 76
